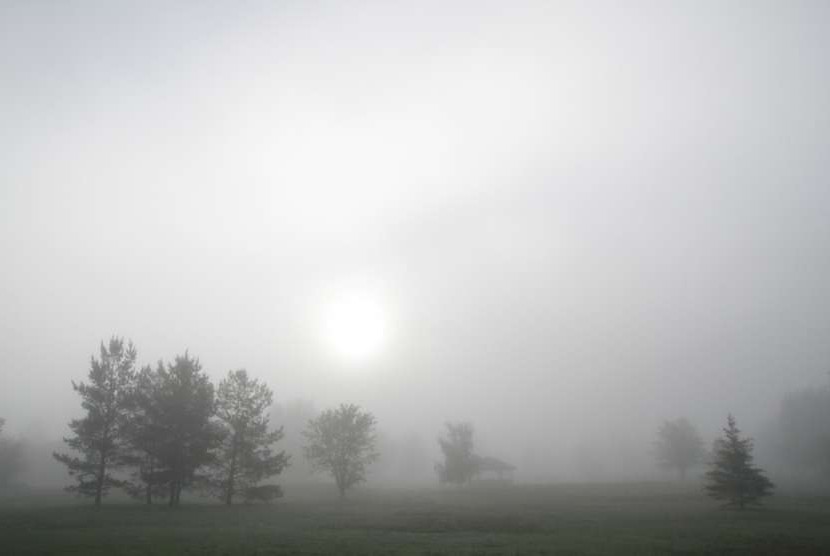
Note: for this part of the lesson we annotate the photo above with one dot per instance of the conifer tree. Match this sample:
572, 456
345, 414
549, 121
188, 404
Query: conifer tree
732, 477
98, 436
245, 456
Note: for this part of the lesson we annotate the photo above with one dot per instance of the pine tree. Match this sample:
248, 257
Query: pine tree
183, 407
145, 433
732, 477
245, 456
99, 434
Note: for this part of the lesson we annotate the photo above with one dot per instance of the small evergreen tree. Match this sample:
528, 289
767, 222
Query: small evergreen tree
678, 446
732, 477
342, 442
460, 463
245, 456
99, 434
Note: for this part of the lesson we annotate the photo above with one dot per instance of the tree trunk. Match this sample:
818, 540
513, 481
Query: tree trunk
231, 475
99, 480
172, 501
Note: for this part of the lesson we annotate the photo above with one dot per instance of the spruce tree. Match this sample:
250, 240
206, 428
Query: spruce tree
732, 477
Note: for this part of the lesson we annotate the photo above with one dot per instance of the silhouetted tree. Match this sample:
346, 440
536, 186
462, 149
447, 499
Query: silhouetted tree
342, 442
245, 456
98, 436
679, 446
460, 463
11, 458
145, 432
183, 404
732, 476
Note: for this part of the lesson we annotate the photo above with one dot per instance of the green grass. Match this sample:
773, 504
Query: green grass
563, 519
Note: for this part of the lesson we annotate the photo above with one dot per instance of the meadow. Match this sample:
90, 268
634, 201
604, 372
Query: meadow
632, 518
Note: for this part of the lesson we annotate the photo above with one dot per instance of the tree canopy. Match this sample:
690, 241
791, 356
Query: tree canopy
342, 442
98, 436
245, 455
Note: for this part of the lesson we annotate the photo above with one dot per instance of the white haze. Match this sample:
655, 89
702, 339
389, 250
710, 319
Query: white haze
580, 218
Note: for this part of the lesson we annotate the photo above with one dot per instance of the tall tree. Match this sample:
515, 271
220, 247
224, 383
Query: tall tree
460, 463
145, 433
732, 477
183, 405
679, 446
98, 436
342, 442
245, 457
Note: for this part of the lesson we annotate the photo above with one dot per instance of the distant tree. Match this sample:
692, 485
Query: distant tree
732, 477
11, 458
245, 456
342, 442
294, 416
182, 408
98, 436
460, 463
679, 446
804, 430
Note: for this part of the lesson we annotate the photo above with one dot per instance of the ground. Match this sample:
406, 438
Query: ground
649, 518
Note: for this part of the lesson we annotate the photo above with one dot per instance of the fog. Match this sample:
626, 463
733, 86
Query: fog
575, 220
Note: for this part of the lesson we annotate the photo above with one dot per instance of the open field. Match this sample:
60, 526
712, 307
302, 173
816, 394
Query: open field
569, 519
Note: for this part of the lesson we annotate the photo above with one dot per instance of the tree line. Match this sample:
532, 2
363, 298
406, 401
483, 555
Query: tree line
157, 431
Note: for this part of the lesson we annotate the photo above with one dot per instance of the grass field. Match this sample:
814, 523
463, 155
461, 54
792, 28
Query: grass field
647, 518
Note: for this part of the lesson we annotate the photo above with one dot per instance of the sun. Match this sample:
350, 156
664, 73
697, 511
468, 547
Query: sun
355, 327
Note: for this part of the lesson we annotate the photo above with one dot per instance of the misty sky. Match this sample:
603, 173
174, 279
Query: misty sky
576, 216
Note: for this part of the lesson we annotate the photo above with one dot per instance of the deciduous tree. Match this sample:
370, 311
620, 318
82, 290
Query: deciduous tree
679, 446
460, 463
342, 442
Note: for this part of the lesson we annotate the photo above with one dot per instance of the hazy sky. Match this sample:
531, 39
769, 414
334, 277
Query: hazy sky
574, 216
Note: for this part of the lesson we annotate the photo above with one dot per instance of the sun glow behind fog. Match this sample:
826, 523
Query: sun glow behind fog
355, 327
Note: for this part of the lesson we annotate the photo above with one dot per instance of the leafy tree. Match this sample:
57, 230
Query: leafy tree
460, 463
245, 456
11, 458
679, 446
732, 476
98, 436
342, 442
181, 409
